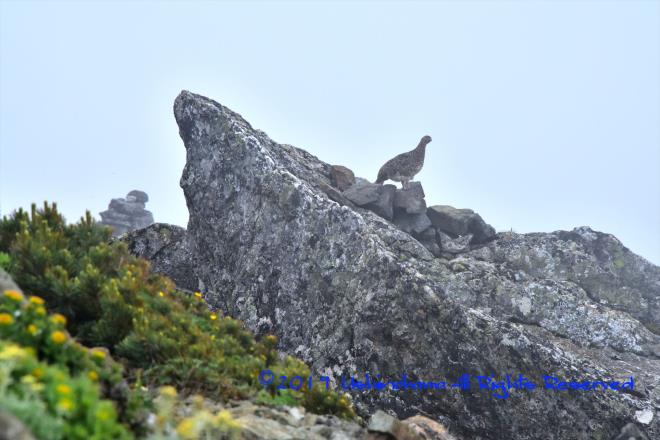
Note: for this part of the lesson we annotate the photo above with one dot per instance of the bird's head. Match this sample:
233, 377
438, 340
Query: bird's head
425, 140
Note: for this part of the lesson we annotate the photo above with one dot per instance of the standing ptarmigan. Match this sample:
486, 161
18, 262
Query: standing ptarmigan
402, 168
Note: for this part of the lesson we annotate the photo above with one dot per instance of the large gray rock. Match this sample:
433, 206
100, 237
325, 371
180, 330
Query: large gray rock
138, 196
411, 223
454, 245
411, 200
351, 293
124, 215
169, 251
429, 238
342, 177
376, 198
458, 222
383, 423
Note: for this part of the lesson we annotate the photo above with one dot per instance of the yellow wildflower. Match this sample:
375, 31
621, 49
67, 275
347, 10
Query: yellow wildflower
186, 429
6, 319
14, 295
213, 316
198, 402
32, 329
63, 389
98, 353
58, 337
225, 419
36, 387
27, 379
168, 391
93, 376
41, 311
13, 351
58, 319
161, 293
36, 300
38, 372
103, 414
198, 294
65, 405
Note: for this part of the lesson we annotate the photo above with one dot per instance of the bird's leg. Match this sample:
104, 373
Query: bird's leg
404, 183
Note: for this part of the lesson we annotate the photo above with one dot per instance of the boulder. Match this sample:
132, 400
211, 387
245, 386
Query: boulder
411, 200
376, 198
457, 222
127, 214
139, 196
429, 238
383, 423
168, 249
351, 293
454, 245
411, 223
363, 192
342, 177
631, 432
428, 429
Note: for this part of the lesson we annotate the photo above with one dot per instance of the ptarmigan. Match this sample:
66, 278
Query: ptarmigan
402, 168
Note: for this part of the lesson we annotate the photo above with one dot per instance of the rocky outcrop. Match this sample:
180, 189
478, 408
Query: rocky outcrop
444, 230
261, 422
460, 222
124, 215
168, 249
351, 293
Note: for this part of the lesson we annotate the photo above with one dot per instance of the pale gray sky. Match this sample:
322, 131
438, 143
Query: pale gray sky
544, 115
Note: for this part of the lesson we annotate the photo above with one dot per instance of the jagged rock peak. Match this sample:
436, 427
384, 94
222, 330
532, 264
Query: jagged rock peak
278, 246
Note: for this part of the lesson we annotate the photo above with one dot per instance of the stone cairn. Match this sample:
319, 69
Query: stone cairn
443, 230
125, 215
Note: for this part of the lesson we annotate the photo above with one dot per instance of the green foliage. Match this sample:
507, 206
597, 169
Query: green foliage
5, 261
51, 403
166, 337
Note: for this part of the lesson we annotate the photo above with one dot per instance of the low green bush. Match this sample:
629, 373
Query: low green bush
52, 403
111, 299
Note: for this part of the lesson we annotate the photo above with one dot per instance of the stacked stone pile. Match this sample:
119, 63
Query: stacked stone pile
129, 214
443, 230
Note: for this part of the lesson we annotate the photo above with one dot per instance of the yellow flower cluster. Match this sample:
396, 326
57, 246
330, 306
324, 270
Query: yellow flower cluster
13, 351
58, 337
168, 391
63, 389
58, 319
65, 405
97, 353
14, 295
36, 300
6, 319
